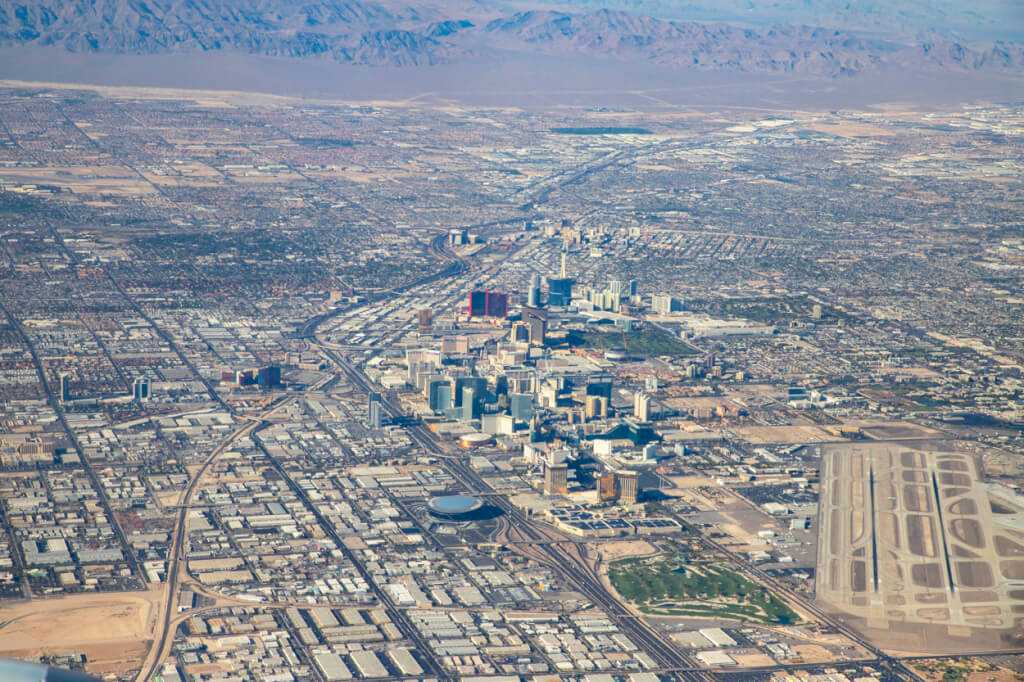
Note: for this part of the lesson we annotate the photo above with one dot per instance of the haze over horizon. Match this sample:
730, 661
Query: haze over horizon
512, 340
614, 52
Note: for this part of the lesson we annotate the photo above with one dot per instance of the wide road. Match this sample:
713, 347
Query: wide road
163, 637
550, 548
438, 247
894, 663
58, 408
166, 625
396, 615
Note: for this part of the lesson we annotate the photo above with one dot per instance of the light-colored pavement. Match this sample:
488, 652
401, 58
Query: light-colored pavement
911, 545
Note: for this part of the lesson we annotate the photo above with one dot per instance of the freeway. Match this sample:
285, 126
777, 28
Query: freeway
437, 247
895, 663
164, 636
547, 546
542, 190
568, 558
538, 194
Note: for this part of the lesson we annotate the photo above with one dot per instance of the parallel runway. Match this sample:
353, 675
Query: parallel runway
918, 550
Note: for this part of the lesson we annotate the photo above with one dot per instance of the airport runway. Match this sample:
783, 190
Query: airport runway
915, 546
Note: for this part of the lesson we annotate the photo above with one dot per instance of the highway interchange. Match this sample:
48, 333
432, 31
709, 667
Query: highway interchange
536, 541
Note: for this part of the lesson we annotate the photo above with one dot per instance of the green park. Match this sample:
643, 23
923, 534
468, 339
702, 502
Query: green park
672, 586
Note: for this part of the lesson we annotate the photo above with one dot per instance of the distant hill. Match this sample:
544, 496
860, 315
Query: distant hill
372, 33
956, 19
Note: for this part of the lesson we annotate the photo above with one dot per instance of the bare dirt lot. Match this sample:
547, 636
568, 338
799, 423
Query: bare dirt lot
111, 629
613, 551
760, 435
892, 430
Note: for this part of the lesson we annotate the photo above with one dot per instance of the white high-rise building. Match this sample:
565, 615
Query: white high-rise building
641, 406
663, 304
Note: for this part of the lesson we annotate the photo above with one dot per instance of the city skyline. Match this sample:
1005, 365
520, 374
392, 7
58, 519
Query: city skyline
693, 351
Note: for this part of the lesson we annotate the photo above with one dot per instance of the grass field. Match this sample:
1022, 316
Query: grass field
651, 343
673, 587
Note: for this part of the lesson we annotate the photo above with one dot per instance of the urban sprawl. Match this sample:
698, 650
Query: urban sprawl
297, 390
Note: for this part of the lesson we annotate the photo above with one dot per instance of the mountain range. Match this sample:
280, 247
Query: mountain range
383, 33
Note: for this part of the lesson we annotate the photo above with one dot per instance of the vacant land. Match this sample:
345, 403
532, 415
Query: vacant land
799, 433
110, 628
671, 586
612, 551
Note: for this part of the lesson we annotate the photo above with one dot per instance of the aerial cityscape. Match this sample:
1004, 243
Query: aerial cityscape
306, 387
